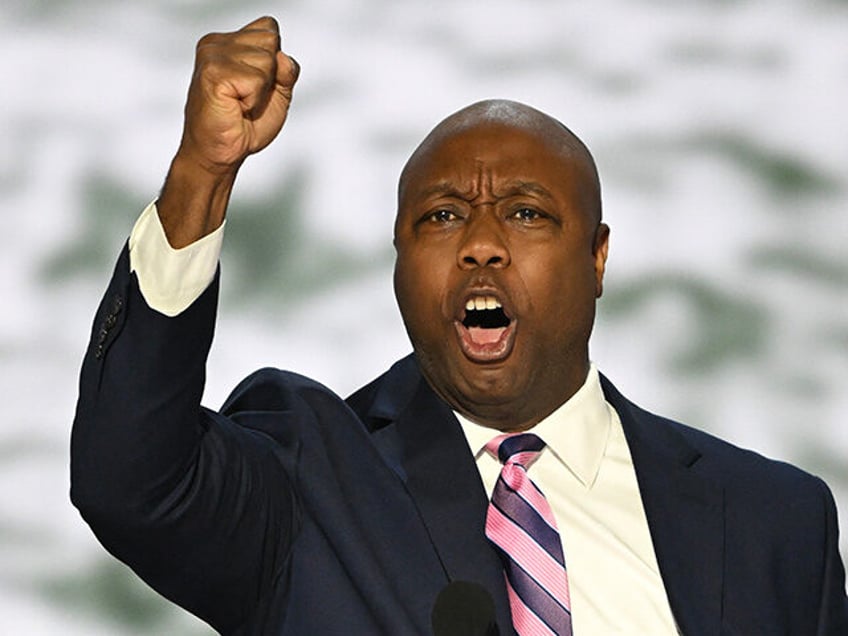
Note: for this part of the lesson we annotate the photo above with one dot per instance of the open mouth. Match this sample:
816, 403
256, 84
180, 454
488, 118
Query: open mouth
485, 330
485, 313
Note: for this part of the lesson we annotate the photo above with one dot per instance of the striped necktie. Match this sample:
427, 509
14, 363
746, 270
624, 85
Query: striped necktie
522, 528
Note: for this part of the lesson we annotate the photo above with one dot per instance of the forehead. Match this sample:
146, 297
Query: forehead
493, 154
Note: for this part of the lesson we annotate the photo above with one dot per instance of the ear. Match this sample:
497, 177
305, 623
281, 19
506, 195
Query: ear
600, 249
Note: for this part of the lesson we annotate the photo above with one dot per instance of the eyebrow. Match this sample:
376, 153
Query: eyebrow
443, 189
529, 187
514, 188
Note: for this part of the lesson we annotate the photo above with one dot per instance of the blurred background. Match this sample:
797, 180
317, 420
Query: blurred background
721, 135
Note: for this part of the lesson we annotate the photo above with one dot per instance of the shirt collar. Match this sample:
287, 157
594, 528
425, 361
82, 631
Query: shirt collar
576, 432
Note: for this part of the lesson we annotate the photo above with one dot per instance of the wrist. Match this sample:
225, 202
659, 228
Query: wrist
194, 199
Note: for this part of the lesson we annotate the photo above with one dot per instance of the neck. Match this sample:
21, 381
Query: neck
519, 415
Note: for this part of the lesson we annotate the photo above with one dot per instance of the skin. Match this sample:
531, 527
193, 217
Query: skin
501, 200
238, 101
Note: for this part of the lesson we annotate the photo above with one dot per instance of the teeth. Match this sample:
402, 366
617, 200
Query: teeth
482, 302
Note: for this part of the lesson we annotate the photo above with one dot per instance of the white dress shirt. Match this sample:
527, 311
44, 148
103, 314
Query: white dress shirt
587, 476
585, 469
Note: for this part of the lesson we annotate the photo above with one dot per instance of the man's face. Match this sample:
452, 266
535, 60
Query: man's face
499, 263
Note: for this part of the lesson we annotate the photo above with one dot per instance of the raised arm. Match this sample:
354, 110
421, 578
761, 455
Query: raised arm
195, 503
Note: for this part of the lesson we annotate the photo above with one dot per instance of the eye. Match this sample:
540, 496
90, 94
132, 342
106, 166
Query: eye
440, 216
439, 220
527, 215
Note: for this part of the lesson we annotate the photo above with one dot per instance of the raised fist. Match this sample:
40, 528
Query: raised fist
237, 103
239, 95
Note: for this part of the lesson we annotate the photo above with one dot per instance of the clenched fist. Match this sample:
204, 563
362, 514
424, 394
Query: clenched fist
237, 103
239, 96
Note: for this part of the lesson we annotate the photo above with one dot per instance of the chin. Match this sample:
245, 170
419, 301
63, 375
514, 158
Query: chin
495, 385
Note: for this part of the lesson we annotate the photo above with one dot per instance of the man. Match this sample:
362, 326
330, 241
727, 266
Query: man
291, 511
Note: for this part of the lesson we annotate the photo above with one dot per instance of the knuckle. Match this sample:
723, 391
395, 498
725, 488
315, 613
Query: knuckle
208, 39
270, 22
270, 39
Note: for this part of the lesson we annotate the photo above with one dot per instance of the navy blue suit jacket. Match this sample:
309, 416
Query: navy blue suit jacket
292, 511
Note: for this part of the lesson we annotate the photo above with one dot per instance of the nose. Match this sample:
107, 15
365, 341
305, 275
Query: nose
483, 245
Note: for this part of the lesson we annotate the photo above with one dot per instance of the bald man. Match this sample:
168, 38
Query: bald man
292, 511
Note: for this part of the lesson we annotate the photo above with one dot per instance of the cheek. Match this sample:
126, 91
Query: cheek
561, 293
418, 291
403, 286
425, 267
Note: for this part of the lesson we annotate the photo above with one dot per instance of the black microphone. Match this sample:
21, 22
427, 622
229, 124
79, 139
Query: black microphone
464, 609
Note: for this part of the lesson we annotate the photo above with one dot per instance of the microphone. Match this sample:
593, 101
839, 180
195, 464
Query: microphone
464, 609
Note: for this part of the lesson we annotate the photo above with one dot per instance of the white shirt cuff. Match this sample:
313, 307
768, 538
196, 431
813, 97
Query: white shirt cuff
171, 279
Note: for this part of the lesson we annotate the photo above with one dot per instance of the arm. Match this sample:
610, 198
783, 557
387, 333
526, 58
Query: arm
833, 611
181, 494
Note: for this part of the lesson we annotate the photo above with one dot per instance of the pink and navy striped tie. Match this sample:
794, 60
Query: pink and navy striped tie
521, 526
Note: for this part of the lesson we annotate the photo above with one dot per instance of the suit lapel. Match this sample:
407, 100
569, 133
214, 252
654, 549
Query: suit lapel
441, 477
685, 513
421, 439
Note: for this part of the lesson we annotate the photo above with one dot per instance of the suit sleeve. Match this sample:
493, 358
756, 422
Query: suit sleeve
833, 612
199, 507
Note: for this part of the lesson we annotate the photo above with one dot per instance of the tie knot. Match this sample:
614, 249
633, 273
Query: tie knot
511, 444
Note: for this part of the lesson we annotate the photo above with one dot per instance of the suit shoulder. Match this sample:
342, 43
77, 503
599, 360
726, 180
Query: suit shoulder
708, 454
272, 389
740, 467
